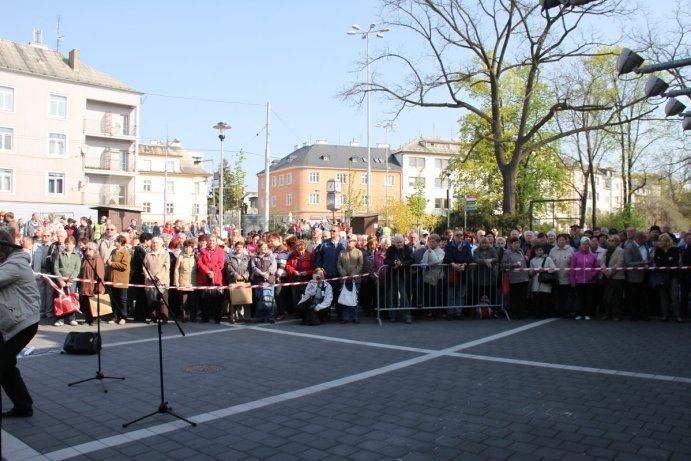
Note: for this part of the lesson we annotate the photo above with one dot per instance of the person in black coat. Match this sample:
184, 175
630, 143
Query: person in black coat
458, 256
399, 258
136, 296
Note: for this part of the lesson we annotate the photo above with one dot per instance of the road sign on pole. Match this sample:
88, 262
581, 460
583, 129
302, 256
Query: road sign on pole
471, 202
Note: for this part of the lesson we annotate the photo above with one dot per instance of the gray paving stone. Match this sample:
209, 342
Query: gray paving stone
442, 408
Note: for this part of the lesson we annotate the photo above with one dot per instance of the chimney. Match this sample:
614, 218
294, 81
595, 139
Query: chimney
74, 59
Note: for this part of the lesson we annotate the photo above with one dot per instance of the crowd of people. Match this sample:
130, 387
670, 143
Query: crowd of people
193, 273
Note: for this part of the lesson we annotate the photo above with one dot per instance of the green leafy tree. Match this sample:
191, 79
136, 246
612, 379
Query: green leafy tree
234, 184
490, 43
539, 176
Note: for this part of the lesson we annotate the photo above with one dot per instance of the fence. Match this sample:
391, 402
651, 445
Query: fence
439, 291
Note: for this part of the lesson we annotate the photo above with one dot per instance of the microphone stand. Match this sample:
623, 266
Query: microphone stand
163, 406
99, 373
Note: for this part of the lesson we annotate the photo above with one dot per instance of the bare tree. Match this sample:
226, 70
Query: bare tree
473, 43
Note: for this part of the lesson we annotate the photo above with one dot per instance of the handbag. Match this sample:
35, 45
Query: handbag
505, 283
348, 297
66, 304
240, 293
549, 278
100, 305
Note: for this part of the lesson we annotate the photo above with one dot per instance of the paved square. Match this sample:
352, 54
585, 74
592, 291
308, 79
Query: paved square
434, 390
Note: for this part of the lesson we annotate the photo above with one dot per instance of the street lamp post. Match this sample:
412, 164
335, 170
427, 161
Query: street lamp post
221, 127
373, 30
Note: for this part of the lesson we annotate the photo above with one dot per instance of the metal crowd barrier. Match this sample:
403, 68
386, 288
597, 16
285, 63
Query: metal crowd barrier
439, 291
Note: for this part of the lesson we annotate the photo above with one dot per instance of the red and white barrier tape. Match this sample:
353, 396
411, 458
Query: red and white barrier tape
241, 285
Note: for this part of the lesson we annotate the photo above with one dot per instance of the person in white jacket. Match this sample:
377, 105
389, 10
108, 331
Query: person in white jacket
318, 296
541, 291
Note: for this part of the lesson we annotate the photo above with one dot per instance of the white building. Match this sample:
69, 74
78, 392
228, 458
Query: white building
424, 160
68, 134
171, 184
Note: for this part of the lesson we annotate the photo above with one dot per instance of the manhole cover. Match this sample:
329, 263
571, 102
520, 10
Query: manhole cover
204, 368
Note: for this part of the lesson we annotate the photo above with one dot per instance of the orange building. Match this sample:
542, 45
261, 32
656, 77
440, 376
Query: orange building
298, 182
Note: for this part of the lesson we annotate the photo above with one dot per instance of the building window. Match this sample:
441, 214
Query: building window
146, 207
289, 178
363, 179
440, 183
389, 180
289, 199
388, 200
197, 187
170, 165
56, 183
6, 138
57, 106
342, 178
314, 176
441, 163
56, 144
273, 201
413, 181
365, 199
440, 203
147, 185
6, 98
146, 165
314, 198
124, 160
416, 162
195, 209
273, 181
170, 187
281, 180
6, 180
170, 208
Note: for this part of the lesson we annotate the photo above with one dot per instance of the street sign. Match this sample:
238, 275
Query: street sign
471, 203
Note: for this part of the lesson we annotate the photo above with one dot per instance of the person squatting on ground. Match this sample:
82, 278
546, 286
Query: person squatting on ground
318, 296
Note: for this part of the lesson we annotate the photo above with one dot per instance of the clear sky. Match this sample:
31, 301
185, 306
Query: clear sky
202, 62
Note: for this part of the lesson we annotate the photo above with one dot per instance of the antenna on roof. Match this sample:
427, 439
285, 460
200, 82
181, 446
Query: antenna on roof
59, 36
38, 36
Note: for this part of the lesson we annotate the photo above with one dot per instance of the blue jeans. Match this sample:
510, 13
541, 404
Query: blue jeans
456, 298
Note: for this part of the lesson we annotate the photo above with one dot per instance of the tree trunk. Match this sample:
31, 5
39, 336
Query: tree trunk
508, 174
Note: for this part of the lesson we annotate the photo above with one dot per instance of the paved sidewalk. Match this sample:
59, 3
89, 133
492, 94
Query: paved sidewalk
434, 390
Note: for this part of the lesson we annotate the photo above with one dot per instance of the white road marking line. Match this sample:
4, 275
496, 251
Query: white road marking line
602, 371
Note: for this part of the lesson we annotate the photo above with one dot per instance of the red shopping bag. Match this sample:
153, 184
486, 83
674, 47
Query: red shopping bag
66, 304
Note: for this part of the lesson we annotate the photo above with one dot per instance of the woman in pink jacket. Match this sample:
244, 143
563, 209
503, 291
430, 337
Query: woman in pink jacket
582, 275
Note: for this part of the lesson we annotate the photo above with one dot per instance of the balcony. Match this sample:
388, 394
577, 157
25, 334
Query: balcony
109, 161
110, 126
113, 195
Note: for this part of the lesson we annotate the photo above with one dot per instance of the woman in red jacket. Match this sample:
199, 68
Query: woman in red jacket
299, 268
210, 273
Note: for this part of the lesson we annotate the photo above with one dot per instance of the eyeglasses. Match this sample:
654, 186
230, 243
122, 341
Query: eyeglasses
111, 228
459, 235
